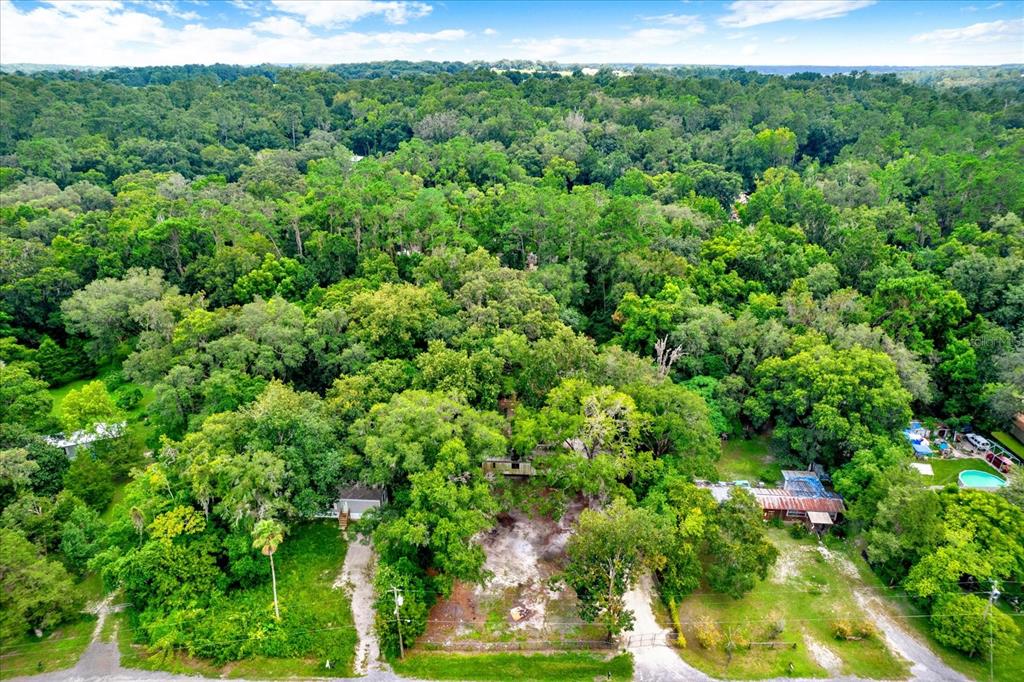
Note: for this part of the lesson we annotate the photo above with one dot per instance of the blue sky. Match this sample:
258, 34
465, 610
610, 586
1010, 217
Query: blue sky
742, 32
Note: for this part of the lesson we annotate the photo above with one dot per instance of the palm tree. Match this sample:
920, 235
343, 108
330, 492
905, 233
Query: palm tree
266, 537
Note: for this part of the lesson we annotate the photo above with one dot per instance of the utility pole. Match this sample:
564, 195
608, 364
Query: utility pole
399, 600
992, 596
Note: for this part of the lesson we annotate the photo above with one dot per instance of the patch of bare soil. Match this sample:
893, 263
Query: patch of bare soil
787, 566
522, 554
455, 616
823, 656
844, 565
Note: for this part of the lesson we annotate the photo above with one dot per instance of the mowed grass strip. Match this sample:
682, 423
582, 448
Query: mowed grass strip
947, 470
58, 650
1009, 442
499, 667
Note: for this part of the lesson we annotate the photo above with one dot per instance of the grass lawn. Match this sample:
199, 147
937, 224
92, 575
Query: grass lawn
748, 459
60, 649
1006, 667
566, 667
1009, 442
805, 592
137, 426
947, 470
91, 588
307, 563
58, 394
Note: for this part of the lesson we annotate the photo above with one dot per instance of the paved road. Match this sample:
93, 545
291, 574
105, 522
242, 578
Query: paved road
654, 659
101, 662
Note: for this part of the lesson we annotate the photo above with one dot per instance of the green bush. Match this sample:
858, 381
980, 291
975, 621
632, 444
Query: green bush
416, 601
127, 397
90, 480
776, 625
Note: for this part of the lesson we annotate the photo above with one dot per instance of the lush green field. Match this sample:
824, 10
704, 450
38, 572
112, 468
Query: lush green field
947, 470
566, 667
805, 592
748, 459
58, 650
1009, 442
307, 563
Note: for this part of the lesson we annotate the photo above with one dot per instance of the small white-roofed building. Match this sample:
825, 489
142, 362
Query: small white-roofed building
352, 502
83, 439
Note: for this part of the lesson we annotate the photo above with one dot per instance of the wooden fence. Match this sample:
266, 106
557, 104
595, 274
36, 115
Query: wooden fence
520, 645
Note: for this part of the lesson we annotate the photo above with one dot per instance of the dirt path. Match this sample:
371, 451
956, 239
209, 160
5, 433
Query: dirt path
356, 578
823, 656
926, 666
100, 609
653, 659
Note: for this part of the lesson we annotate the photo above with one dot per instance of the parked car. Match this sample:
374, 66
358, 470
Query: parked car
999, 462
979, 442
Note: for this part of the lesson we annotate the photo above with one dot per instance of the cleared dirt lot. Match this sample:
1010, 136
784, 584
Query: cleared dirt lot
518, 602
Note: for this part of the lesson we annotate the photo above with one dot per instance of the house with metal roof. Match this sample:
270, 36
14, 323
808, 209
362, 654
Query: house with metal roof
801, 499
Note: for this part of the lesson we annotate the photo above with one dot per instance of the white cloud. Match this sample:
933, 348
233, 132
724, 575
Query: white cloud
490, 32
281, 26
660, 45
334, 14
250, 6
675, 19
169, 9
109, 34
746, 13
1011, 30
125, 33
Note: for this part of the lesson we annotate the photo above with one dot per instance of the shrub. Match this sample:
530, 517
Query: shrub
776, 625
798, 531
846, 629
680, 638
127, 397
708, 633
90, 480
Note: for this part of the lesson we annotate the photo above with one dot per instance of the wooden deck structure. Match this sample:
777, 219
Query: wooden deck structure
509, 467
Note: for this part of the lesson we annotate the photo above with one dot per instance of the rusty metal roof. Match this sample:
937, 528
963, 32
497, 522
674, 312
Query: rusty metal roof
776, 499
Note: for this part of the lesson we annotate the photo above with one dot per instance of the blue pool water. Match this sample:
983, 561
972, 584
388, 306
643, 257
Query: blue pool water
980, 479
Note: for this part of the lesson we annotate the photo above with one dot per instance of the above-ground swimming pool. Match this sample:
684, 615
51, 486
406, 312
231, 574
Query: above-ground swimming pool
980, 479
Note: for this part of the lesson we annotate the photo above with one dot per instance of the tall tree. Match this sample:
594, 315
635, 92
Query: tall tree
609, 552
267, 536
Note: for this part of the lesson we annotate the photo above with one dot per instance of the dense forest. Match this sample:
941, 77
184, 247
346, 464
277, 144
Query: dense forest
386, 275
